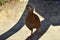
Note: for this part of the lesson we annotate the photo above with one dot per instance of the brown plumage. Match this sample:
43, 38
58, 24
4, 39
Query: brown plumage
32, 20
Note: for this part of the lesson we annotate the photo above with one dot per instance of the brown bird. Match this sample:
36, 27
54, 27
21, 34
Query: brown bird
32, 20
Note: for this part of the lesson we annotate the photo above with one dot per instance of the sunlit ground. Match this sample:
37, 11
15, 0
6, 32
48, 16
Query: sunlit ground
9, 16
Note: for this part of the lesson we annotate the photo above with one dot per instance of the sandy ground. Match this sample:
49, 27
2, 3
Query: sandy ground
8, 18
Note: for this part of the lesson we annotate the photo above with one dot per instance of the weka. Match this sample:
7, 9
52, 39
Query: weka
32, 20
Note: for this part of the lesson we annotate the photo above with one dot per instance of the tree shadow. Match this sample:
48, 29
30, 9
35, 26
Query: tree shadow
50, 11
47, 9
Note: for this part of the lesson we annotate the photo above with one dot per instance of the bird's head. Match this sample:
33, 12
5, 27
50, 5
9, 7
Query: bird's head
29, 8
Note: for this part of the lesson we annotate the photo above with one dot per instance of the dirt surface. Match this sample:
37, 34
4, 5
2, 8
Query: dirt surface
9, 15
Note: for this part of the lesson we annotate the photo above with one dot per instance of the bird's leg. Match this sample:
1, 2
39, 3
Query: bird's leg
31, 31
39, 29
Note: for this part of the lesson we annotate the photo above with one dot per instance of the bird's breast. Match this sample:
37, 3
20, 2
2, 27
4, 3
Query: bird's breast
31, 20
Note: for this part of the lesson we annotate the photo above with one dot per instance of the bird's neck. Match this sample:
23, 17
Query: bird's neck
29, 13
